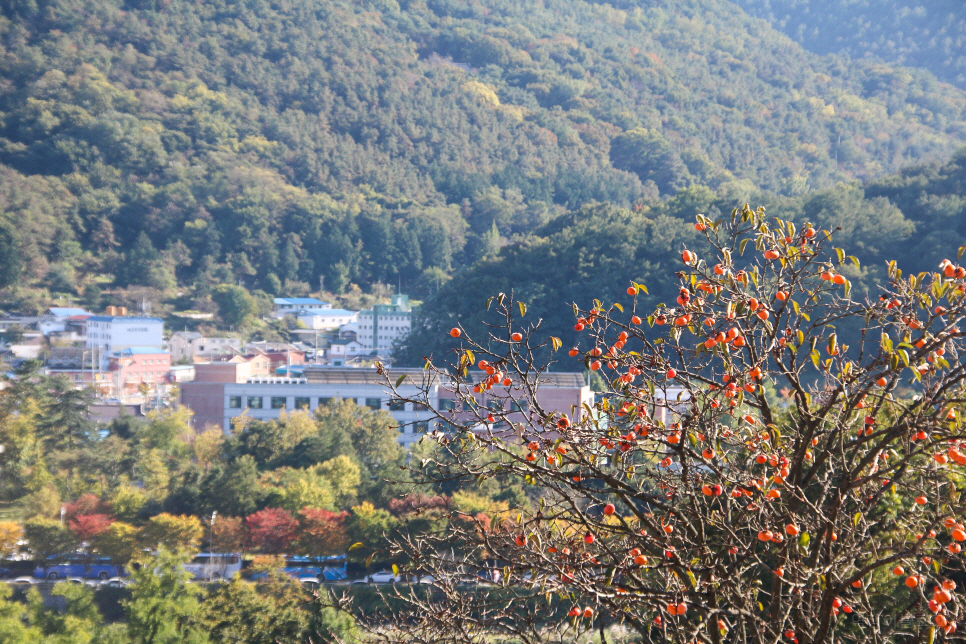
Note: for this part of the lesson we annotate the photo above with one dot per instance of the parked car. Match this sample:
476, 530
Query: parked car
381, 577
22, 581
117, 582
76, 565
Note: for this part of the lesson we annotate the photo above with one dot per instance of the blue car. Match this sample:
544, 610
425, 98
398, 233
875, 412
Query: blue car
61, 567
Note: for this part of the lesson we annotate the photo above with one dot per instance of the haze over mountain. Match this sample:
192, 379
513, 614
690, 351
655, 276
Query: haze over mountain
931, 35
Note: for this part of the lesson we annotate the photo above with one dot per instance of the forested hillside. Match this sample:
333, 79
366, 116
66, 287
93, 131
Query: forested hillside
171, 144
916, 217
931, 35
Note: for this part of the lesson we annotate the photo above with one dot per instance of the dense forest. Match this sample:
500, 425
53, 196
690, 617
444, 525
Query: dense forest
291, 146
930, 35
916, 217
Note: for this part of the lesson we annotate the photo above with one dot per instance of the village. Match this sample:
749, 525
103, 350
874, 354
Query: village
133, 365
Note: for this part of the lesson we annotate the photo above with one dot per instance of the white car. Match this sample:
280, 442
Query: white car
23, 580
117, 582
382, 577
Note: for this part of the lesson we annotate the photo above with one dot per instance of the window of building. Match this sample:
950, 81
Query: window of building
303, 403
397, 406
494, 405
278, 402
419, 407
325, 401
234, 402
520, 405
374, 403
254, 402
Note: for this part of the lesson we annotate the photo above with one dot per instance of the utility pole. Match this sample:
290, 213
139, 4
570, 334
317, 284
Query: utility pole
211, 544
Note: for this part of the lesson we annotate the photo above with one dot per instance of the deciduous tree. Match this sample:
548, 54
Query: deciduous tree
692, 502
271, 530
175, 533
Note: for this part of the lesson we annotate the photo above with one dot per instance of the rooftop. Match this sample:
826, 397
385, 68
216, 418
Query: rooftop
343, 341
111, 318
327, 312
298, 301
187, 335
66, 311
142, 351
363, 376
546, 379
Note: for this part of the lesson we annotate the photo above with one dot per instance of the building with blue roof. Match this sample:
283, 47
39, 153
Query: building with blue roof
283, 306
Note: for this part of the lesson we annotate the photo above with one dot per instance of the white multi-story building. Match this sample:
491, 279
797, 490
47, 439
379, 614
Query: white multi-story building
107, 334
217, 403
283, 306
384, 324
328, 319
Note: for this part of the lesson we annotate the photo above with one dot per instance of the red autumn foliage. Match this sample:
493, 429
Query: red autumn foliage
271, 530
88, 526
86, 504
322, 533
229, 535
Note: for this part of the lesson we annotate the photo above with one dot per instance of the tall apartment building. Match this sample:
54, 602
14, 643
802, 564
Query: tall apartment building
382, 325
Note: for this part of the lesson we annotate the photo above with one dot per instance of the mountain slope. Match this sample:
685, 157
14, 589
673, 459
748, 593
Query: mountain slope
916, 217
169, 143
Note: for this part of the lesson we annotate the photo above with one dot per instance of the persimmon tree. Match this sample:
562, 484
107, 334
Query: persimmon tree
776, 459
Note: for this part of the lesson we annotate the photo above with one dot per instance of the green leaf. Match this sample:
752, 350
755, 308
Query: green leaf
841, 255
800, 336
804, 539
400, 379
741, 246
395, 570
369, 559
815, 358
694, 581
641, 287
618, 307
523, 309
358, 544
470, 357
856, 518
489, 301
886, 343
